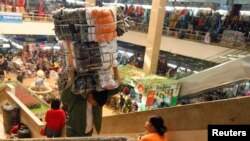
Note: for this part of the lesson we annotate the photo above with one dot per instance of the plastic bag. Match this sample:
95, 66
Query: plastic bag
43, 131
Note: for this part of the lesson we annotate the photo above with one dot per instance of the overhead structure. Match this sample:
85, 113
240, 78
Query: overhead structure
221, 75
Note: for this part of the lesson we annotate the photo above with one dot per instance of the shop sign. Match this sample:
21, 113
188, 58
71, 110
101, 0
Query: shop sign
11, 17
167, 93
6, 45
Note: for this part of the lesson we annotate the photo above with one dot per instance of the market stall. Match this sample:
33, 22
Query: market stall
142, 92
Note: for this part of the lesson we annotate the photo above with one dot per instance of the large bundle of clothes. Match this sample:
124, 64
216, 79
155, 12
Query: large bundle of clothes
232, 38
88, 42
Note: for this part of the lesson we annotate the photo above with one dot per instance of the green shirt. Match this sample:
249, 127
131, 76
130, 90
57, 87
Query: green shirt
76, 122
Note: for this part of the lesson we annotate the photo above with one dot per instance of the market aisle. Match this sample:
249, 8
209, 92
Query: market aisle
52, 82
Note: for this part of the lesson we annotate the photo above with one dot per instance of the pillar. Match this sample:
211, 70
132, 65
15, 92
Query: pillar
90, 3
154, 36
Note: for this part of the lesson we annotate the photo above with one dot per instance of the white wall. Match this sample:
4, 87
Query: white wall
27, 28
178, 46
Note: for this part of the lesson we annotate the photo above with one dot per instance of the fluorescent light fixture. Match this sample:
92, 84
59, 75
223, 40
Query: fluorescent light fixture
172, 65
56, 47
221, 11
50, 47
128, 53
6, 45
169, 8
13, 43
76, 1
245, 12
17, 45
4, 39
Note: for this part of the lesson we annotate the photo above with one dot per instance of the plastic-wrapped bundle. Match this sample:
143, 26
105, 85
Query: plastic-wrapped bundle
64, 63
110, 47
87, 56
71, 15
62, 79
102, 24
90, 24
122, 27
89, 64
87, 82
65, 21
89, 46
106, 79
63, 55
83, 50
90, 56
83, 83
109, 50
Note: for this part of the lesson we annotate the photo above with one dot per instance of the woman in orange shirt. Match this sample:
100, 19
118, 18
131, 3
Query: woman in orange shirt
155, 129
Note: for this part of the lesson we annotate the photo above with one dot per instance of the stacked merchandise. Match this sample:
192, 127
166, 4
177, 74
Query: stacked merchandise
232, 38
88, 46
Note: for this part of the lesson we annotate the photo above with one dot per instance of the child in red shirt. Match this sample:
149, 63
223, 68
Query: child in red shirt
55, 118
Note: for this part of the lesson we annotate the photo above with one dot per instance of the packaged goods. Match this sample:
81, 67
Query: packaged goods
88, 46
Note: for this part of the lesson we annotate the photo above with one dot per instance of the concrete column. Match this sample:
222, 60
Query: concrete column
154, 36
90, 3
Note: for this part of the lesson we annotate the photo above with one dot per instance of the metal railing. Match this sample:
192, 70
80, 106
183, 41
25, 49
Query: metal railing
185, 34
30, 17
197, 36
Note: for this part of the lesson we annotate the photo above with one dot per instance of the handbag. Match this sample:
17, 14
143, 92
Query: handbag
23, 131
43, 131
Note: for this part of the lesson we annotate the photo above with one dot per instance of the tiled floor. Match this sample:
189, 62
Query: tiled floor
26, 83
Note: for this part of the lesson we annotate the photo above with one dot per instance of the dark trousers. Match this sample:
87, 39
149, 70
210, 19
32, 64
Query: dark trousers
52, 133
73, 133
